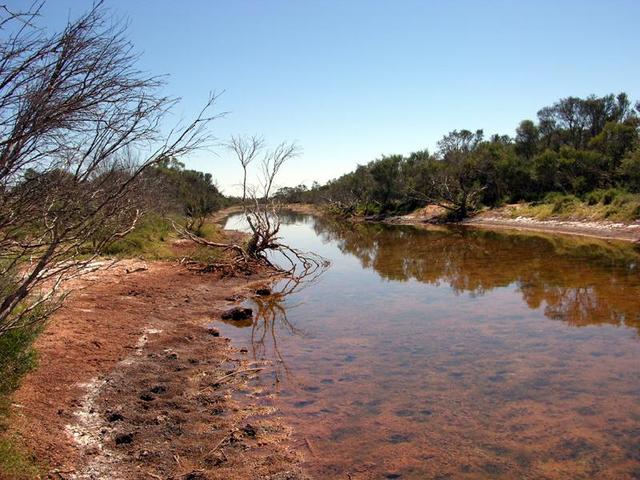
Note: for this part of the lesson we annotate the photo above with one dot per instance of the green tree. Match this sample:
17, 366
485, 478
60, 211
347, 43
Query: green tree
527, 137
630, 170
615, 141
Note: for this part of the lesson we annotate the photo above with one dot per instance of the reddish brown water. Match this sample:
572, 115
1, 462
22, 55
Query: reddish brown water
437, 354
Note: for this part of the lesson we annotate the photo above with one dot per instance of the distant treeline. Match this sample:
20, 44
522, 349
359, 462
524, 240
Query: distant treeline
188, 193
576, 147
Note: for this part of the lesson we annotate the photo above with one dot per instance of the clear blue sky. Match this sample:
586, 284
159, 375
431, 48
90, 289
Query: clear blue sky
352, 80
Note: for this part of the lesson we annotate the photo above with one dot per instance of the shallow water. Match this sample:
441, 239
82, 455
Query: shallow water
453, 353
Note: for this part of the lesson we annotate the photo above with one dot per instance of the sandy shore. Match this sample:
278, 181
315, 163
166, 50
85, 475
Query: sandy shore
605, 230
492, 219
133, 383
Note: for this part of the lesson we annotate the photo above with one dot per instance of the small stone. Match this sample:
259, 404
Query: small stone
263, 291
237, 313
249, 431
115, 417
124, 439
398, 438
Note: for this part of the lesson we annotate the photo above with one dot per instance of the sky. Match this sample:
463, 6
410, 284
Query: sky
351, 81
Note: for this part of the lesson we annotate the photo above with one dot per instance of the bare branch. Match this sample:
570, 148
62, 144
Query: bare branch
76, 116
246, 150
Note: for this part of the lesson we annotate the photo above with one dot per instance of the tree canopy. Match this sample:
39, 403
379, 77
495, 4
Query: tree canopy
575, 146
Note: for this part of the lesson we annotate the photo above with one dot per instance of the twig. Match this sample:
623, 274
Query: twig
306, 440
219, 444
246, 370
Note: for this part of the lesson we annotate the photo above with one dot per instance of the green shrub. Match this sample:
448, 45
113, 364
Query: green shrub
150, 238
551, 197
564, 203
15, 463
210, 231
625, 207
621, 199
594, 197
17, 357
605, 197
147, 239
609, 196
368, 209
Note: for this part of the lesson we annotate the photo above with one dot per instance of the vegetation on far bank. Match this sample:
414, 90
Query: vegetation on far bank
581, 157
613, 205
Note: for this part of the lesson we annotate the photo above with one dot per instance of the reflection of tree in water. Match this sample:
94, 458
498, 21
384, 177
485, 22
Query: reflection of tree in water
270, 319
582, 281
289, 217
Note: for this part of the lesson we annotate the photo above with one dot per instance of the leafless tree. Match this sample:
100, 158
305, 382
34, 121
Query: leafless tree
73, 108
273, 162
261, 212
246, 150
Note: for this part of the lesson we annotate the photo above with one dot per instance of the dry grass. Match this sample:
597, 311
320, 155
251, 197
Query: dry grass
604, 205
154, 238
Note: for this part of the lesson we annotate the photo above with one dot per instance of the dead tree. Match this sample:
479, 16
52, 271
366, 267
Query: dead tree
273, 162
73, 108
261, 212
246, 150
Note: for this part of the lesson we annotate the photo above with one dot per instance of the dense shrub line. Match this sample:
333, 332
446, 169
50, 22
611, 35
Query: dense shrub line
585, 147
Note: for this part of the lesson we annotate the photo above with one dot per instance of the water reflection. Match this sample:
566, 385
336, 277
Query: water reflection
453, 353
270, 318
565, 276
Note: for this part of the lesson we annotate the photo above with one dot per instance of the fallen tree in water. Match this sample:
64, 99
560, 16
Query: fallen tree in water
262, 215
